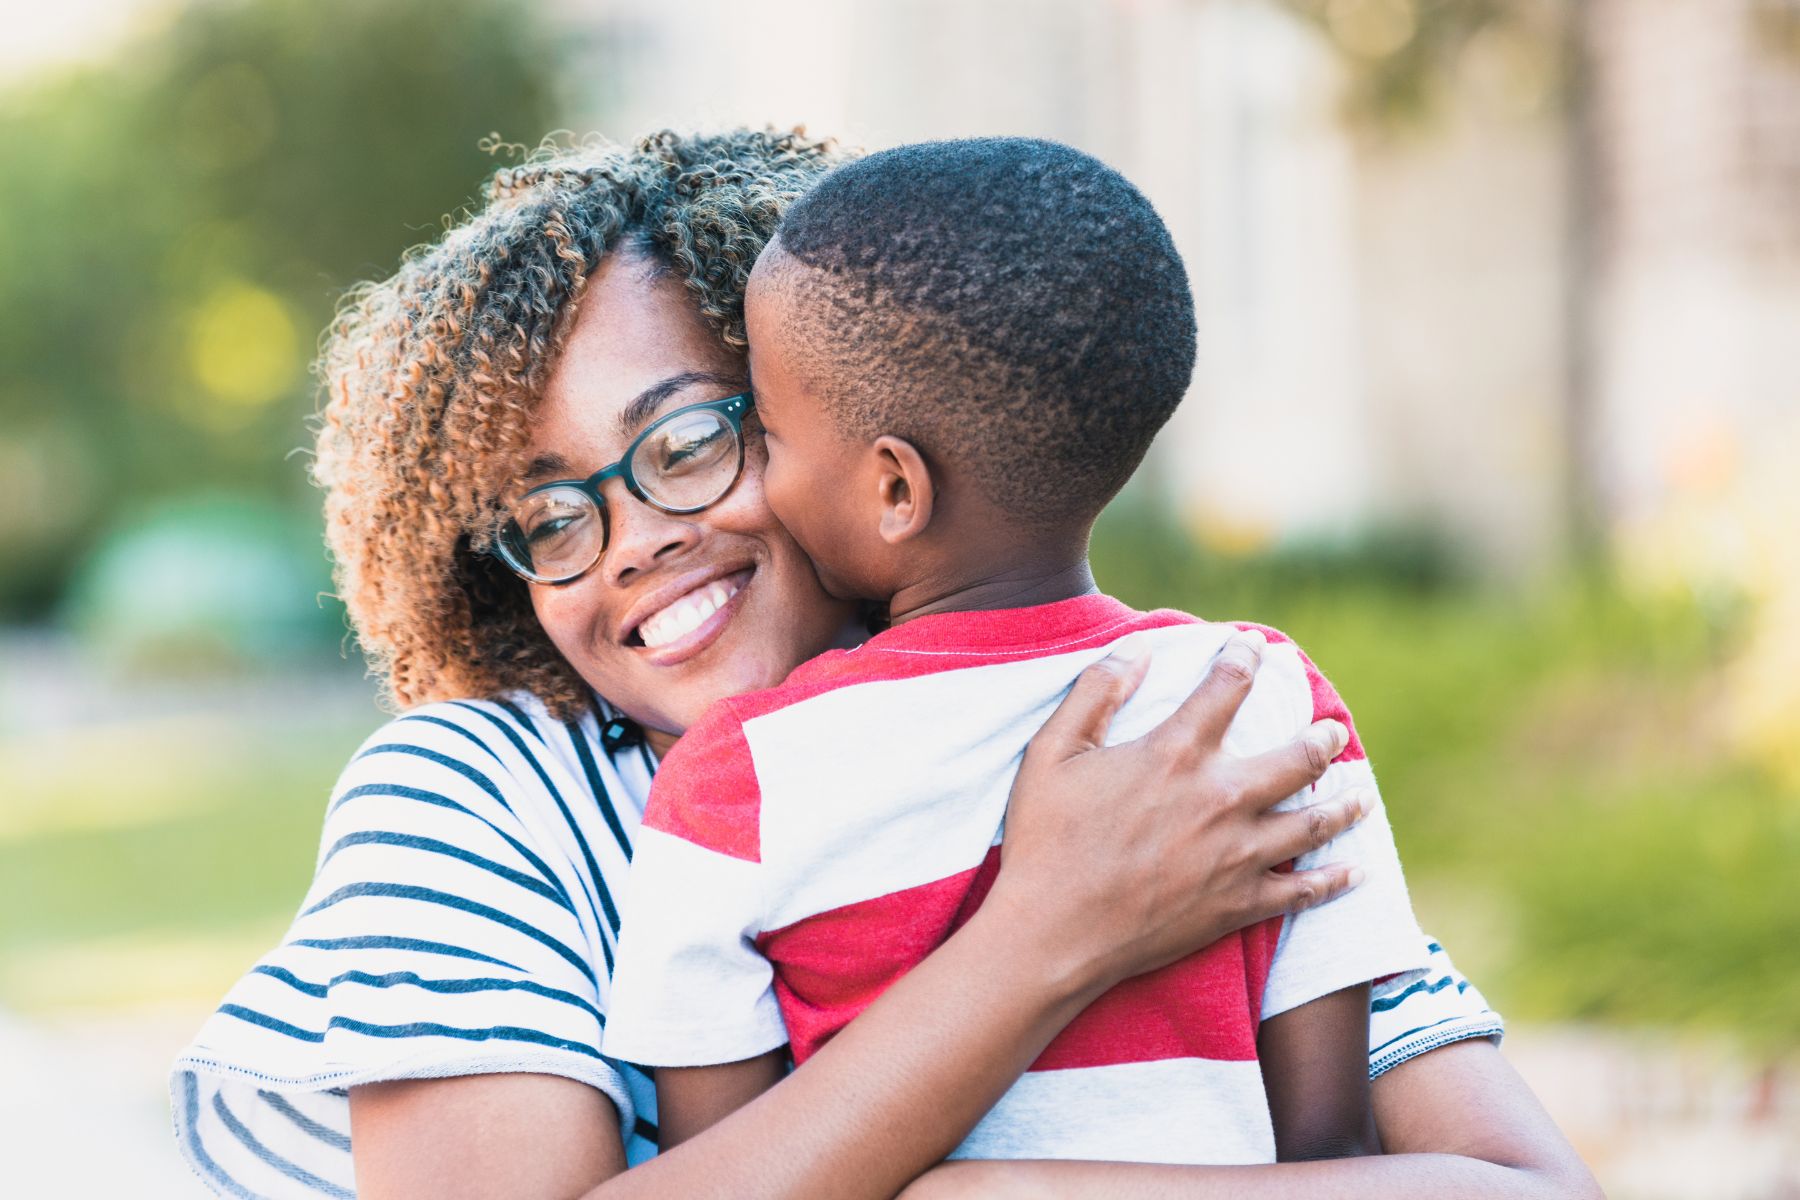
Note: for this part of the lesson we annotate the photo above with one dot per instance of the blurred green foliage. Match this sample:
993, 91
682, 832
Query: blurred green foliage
224, 828
178, 225
161, 868
1558, 762
204, 584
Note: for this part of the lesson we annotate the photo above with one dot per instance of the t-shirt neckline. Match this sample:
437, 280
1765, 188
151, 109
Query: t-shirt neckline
1007, 628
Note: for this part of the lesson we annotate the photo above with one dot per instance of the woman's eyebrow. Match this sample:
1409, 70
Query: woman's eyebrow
643, 406
546, 464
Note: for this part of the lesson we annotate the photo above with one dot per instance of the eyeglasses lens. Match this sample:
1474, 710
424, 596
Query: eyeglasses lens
556, 533
688, 461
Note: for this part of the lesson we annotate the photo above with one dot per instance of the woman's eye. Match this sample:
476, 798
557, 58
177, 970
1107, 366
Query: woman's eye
686, 451
549, 528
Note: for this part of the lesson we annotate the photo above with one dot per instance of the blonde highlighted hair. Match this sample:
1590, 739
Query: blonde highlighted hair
431, 378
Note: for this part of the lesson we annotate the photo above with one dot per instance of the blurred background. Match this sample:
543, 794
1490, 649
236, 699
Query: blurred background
1498, 412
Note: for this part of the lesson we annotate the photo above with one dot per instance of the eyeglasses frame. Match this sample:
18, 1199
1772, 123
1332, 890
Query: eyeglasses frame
734, 408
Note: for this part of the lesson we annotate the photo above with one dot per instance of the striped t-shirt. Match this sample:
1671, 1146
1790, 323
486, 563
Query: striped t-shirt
806, 846
462, 920
448, 827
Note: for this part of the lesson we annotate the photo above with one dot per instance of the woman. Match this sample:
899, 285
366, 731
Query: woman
434, 1015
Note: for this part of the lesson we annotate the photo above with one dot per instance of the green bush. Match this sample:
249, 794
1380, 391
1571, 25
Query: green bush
178, 224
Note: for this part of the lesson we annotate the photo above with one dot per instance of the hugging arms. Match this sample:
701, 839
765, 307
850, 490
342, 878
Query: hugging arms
1089, 893
432, 1021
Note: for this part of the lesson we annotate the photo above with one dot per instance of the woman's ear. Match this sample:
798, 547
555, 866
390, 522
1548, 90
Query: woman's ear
906, 489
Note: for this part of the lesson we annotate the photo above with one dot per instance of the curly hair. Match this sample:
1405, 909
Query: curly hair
431, 378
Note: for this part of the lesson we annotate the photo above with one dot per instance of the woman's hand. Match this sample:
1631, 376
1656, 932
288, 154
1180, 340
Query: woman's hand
1131, 856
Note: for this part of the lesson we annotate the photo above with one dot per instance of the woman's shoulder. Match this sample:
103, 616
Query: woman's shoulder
505, 755
460, 921
475, 730
499, 784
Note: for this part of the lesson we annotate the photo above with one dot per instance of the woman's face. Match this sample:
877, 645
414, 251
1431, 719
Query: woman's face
638, 338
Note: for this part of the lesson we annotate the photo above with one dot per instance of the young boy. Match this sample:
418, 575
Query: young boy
960, 352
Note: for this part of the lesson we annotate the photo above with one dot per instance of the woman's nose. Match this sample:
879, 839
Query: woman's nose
641, 536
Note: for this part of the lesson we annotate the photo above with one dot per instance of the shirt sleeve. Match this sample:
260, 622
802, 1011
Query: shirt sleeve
446, 932
1370, 932
1413, 1013
691, 988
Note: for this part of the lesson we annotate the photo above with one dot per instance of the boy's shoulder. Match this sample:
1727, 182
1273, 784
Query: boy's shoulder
1285, 666
706, 790
1326, 702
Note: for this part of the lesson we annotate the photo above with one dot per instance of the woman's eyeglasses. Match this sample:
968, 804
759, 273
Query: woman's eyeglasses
684, 462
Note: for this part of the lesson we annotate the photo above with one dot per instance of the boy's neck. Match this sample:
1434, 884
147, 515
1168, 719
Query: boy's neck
1014, 585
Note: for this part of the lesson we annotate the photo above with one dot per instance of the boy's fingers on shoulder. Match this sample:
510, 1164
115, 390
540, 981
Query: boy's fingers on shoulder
1301, 830
1276, 774
1324, 741
1208, 711
1082, 719
1297, 891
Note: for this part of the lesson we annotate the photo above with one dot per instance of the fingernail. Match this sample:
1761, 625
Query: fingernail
1129, 651
1363, 800
1242, 651
1357, 875
1251, 639
1335, 734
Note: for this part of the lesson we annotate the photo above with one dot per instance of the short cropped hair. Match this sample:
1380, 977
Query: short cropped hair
1009, 304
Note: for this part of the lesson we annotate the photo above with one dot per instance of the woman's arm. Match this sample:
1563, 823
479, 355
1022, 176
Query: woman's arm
1466, 1099
1177, 853
1457, 1121
483, 1135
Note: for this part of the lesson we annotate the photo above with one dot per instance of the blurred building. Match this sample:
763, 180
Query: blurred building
1398, 323
1696, 138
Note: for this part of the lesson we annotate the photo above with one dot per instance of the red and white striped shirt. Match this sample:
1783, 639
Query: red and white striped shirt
806, 846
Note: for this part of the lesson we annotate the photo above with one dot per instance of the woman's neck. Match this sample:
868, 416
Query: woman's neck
660, 741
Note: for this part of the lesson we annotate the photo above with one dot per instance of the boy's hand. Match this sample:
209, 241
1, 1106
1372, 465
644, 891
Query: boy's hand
1129, 857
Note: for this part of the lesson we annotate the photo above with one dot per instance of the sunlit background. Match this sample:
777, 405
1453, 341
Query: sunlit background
1498, 412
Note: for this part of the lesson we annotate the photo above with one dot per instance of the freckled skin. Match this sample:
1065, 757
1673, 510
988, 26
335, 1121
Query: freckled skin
635, 330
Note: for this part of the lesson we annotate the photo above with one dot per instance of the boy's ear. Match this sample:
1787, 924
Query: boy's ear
907, 491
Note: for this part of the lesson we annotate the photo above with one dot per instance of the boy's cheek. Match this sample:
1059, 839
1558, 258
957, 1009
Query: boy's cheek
802, 511
796, 513
774, 479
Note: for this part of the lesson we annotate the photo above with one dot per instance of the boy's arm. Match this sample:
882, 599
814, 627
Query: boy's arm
691, 1099
689, 986
1374, 934
1315, 1069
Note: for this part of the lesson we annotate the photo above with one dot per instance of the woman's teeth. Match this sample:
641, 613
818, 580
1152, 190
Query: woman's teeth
685, 615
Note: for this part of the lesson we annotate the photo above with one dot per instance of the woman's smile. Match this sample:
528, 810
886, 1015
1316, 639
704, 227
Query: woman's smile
705, 600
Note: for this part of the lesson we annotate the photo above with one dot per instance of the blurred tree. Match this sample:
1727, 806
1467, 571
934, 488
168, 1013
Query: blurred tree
177, 226
1402, 56
1402, 52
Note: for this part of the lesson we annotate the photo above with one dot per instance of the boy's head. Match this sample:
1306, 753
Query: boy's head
961, 350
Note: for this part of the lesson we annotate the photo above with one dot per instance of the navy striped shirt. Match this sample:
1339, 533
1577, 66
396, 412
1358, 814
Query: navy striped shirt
463, 920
